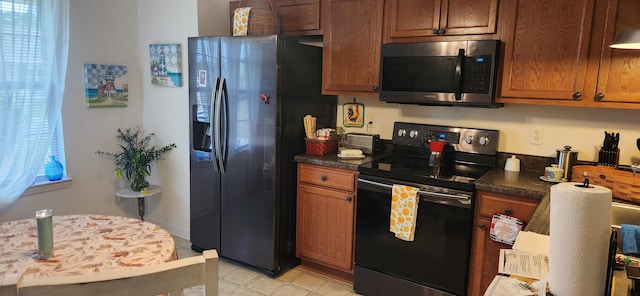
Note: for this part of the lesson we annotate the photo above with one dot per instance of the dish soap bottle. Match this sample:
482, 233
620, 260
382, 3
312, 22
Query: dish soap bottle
53, 170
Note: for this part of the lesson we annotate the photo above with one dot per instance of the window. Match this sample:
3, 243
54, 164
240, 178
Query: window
33, 60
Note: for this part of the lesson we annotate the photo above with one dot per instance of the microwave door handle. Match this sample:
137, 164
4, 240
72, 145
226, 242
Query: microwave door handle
458, 75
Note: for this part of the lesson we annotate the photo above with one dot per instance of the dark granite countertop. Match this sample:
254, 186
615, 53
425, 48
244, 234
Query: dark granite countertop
525, 184
332, 160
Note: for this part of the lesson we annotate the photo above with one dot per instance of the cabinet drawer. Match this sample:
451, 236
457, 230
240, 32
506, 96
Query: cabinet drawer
328, 177
497, 204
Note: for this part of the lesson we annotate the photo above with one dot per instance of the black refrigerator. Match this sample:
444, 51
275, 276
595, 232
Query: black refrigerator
247, 100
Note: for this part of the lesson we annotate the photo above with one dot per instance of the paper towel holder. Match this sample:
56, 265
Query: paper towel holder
585, 183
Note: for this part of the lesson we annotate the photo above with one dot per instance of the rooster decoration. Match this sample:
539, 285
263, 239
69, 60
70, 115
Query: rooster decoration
353, 114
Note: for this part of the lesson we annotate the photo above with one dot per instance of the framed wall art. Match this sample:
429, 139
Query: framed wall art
353, 114
105, 86
165, 65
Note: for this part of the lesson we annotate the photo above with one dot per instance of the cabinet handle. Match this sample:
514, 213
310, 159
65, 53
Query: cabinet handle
323, 178
374, 88
577, 95
508, 211
599, 97
435, 31
349, 198
441, 32
481, 226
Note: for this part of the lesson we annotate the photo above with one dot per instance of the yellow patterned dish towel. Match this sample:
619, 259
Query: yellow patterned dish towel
404, 211
241, 21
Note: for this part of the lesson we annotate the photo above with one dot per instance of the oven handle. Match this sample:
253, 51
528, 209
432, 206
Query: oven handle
461, 198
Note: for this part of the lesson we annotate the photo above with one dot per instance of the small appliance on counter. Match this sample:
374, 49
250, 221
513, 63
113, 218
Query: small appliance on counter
368, 143
566, 159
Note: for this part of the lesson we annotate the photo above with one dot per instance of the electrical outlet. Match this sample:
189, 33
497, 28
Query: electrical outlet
535, 135
371, 117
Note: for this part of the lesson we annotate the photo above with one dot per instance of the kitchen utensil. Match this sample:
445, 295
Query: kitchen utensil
566, 159
436, 148
309, 126
512, 164
638, 143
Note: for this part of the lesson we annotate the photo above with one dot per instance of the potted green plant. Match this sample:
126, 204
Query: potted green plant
136, 157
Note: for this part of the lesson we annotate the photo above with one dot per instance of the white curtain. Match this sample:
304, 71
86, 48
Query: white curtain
34, 45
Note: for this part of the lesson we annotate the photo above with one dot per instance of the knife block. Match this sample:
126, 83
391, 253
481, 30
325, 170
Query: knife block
609, 158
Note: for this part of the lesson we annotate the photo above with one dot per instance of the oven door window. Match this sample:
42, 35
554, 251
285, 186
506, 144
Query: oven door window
439, 255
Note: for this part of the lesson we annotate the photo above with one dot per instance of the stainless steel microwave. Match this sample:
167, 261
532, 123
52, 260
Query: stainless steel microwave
456, 73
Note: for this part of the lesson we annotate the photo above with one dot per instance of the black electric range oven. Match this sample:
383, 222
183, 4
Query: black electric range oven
436, 262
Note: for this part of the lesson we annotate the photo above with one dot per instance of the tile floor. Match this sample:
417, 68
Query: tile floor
237, 280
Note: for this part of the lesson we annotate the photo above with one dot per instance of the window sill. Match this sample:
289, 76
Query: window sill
46, 186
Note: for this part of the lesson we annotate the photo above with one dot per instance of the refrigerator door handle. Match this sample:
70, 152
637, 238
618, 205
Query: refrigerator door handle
214, 125
224, 119
217, 125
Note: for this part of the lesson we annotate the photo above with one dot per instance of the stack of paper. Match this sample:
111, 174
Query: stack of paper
529, 260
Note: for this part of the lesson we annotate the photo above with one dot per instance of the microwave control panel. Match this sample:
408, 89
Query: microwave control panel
478, 74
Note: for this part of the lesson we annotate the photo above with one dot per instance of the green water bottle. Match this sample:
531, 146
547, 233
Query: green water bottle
44, 219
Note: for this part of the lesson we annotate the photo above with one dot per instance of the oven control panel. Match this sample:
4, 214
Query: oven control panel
471, 140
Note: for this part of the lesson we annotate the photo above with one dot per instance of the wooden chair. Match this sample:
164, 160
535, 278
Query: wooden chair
148, 280
9, 285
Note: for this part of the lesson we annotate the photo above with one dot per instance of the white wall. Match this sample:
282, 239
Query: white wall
166, 109
119, 32
581, 128
101, 32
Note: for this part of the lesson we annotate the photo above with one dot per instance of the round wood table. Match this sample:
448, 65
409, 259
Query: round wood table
83, 244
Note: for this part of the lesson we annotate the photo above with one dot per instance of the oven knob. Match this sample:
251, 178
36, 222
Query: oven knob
484, 141
402, 132
413, 134
468, 139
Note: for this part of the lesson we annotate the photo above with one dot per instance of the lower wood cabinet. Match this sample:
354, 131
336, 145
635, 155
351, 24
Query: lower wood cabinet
326, 219
484, 251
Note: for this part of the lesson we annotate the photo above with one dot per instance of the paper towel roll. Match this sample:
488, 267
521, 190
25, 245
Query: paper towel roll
579, 231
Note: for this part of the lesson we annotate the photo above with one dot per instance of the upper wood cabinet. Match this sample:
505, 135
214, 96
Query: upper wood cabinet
425, 18
300, 17
351, 54
557, 53
618, 70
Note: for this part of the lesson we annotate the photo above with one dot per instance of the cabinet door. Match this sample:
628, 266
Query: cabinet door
299, 17
413, 18
351, 53
484, 267
325, 230
485, 253
468, 17
420, 18
619, 69
546, 49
